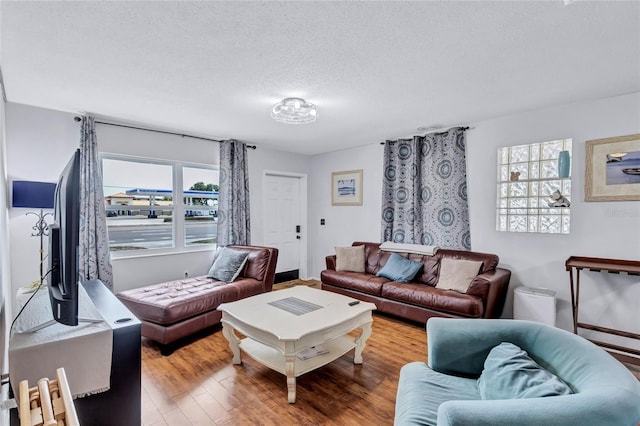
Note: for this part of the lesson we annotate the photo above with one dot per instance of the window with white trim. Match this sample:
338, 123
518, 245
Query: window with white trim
528, 177
159, 205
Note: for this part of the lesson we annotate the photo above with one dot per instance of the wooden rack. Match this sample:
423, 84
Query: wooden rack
49, 403
614, 266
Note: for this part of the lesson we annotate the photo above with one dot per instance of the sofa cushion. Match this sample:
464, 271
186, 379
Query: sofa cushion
350, 259
421, 295
365, 283
421, 391
510, 373
457, 274
228, 264
173, 301
399, 269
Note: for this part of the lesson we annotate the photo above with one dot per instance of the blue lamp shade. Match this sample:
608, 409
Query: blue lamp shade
40, 195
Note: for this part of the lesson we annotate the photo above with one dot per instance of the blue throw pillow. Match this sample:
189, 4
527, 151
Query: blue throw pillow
400, 269
510, 373
228, 265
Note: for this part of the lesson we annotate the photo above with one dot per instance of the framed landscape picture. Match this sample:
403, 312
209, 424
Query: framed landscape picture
612, 169
346, 188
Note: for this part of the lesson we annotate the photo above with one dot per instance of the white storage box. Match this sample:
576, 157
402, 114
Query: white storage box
535, 304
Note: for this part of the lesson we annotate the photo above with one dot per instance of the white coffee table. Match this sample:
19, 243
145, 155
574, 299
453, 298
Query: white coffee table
275, 336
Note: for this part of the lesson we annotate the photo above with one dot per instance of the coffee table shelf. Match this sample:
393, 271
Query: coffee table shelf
274, 359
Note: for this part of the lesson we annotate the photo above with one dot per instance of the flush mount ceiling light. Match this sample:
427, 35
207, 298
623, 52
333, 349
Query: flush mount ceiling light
294, 111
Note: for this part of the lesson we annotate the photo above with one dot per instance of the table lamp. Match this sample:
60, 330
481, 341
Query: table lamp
27, 194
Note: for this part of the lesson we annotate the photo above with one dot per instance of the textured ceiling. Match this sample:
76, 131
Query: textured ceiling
376, 70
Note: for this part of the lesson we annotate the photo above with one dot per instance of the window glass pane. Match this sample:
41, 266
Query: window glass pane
535, 152
521, 168
517, 223
550, 224
518, 189
519, 154
549, 168
534, 170
503, 155
138, 200
549, 187
200, 191
502, 223
503, 191
504, 173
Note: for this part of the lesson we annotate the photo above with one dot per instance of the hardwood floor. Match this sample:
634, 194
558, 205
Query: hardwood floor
198, 385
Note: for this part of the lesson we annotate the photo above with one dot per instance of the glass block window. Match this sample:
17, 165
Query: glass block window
528, 175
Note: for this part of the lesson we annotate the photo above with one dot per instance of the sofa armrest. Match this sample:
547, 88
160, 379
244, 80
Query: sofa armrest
331, 262
567, 410
498, 280
261, 264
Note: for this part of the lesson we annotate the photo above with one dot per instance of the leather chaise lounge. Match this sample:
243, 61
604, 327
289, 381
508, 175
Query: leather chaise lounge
172, 310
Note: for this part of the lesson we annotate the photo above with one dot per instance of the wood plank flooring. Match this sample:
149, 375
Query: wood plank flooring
198, 385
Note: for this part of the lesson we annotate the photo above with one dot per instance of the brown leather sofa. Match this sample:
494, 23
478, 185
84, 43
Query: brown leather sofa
175, 309
419, 299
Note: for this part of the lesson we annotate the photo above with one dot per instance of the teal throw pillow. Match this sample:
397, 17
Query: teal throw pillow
400, 269
228, 265
510, 373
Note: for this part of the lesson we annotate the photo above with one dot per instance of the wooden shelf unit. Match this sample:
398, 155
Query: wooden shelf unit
613, 266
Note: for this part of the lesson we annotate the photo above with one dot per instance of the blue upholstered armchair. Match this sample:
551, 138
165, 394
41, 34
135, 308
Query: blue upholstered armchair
446, 391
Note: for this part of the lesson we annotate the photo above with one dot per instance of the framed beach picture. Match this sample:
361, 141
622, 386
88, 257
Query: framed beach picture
346, 188
612, 169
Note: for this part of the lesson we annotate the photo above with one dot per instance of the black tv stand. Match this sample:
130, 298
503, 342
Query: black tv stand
121, 403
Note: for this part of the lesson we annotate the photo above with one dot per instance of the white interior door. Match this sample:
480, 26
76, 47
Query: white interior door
283, 220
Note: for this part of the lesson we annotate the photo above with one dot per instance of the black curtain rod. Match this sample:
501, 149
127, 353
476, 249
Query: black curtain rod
159, 131
461, 128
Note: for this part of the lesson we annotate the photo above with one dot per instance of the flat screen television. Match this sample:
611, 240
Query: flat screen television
64, 237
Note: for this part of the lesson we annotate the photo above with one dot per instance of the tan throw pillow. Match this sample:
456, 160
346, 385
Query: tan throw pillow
457, 274
350, 259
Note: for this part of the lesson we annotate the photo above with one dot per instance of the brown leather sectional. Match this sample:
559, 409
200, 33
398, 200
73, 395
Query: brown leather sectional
419, 300
175, 309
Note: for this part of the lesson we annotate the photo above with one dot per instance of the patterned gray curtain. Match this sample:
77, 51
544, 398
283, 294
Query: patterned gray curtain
233, 199
94, 242
424, 193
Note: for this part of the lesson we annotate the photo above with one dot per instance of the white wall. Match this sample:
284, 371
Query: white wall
260, 162
598, 229
40, 141
139, 270
343, 224
5, 273
39, 144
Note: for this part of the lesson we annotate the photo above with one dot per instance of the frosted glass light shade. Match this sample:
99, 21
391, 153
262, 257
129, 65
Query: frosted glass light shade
294, 111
